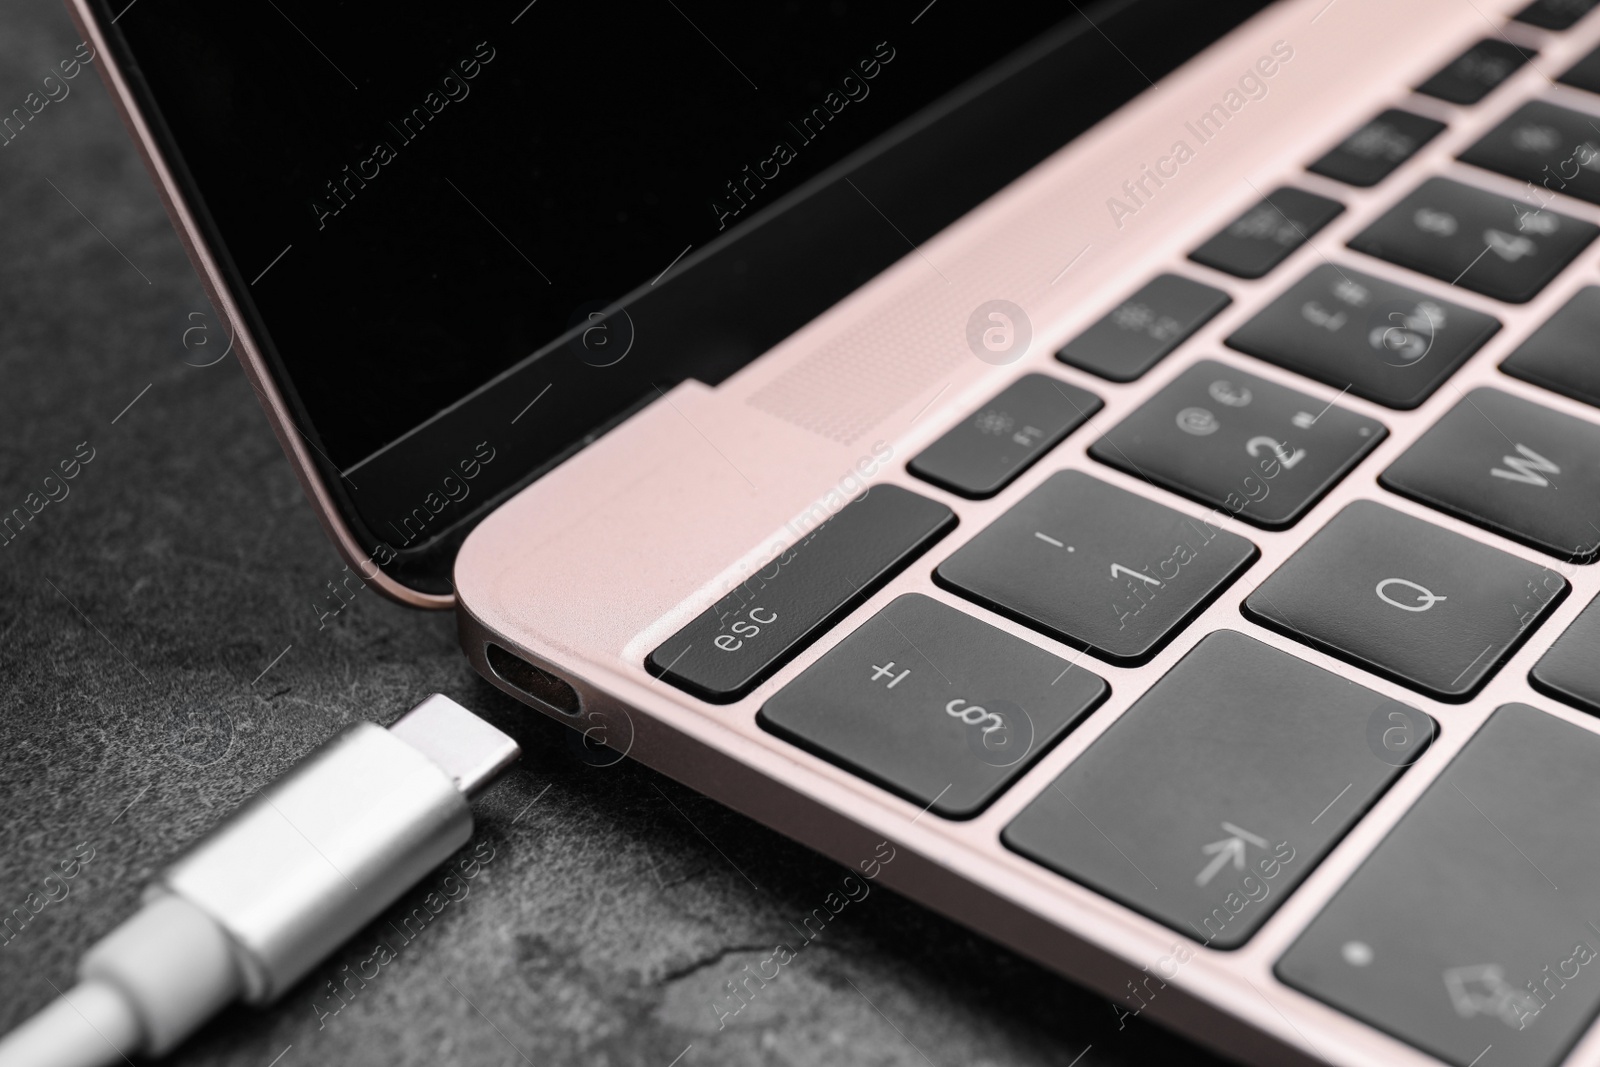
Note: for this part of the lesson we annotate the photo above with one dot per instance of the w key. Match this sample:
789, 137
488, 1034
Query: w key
1494, 245
1513, 466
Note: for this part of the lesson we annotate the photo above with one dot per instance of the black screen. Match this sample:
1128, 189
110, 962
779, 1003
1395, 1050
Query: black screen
437, 215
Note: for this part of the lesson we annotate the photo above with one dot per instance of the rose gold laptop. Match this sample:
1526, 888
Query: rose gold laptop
1127, 477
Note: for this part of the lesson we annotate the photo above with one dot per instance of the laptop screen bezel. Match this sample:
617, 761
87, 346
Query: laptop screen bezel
1021, 98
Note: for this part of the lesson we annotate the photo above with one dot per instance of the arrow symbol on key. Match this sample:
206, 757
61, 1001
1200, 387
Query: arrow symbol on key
1229, 848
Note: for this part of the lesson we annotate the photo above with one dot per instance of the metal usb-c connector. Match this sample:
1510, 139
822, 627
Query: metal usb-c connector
262, 899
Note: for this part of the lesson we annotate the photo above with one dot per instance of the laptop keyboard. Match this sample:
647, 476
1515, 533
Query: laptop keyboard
1211, 798
1475, 73
1097, 567
1459, 608
934, 704
769, 617
1142, 330
982, 455
1491, 244
1546, 145
1560, 354
1266, 235
1543, 472
1554, 14
1383, 341
1219, 436
1219, 790
1570, 670
1453, 969
1372, 153
1584, 74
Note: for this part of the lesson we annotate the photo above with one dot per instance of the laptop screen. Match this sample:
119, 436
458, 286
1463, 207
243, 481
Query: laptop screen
515, 222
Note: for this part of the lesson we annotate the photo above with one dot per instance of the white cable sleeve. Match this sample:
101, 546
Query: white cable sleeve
90, 1025
174, 965
262, 899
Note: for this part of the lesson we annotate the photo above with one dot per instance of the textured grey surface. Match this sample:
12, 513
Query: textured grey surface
138, 619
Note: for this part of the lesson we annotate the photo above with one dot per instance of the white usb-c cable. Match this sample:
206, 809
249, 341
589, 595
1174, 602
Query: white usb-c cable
255, 905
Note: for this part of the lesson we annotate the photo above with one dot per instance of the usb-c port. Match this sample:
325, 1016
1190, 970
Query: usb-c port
540, 685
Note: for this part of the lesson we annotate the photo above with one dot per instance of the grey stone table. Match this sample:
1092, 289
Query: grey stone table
161, 658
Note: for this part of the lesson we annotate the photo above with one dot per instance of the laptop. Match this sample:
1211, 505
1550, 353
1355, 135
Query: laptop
1123, 475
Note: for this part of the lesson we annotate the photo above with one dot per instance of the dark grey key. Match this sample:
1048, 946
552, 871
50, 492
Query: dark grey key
1407, 599
1585, 73
1570, 671
1261, 450
1372, 153
1097, 566
1144, 328
1554, 14
1514, 467
1264, 236
741, 639
1552, 148
1386, 342
1476, 72
1561, 354
1470, 932
1000, 440
934, 705
1491, 244
1215, 795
